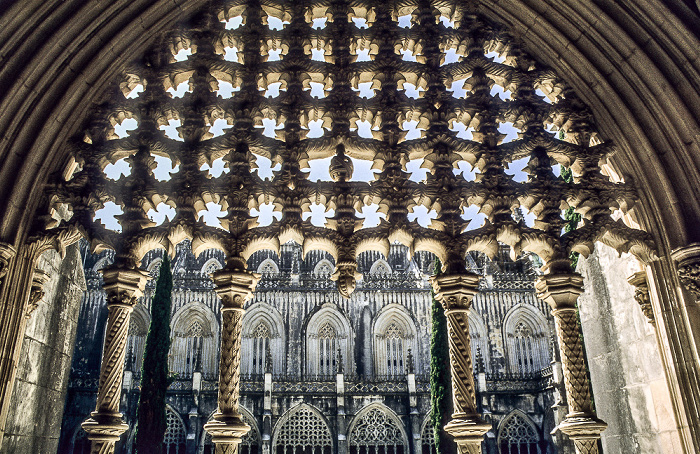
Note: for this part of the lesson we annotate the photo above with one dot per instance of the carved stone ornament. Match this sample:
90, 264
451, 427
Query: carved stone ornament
688, 265
7, 252
346, 276
37, 291
641, 294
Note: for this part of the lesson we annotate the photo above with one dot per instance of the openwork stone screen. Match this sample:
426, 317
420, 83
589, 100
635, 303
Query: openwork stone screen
427, 439
257, 106
376, 432
517, 436
303, 431
174, 440
250, 444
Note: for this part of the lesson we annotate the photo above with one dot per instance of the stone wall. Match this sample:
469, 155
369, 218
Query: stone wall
627, 374
36, 409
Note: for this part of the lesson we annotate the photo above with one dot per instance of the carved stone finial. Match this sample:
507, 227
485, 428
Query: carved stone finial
688, 264
341, 167
641, 294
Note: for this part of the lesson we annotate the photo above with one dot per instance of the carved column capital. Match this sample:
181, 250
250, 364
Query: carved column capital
123, 287
234, 287
36, 293
455, 291
688, 265
560, 291
641, 294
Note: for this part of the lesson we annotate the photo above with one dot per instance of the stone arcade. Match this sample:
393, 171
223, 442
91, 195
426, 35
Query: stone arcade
611, 91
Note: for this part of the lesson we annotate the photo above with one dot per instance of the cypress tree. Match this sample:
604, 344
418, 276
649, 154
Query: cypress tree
152, 422
440, 384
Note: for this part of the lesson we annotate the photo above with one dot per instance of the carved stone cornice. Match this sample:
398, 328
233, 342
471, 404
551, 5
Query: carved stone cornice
688, 265
641, 294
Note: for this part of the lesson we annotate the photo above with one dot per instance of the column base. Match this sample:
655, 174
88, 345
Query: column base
104, 431
226, 432
584, 431
468, 432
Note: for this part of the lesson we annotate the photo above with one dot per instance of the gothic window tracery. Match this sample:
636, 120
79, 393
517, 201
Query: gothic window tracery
323, 269
527, 344
428, 438
135, 343
175, 434
517, 436
261, 344
375, 432
302, 432
268, 268
327, 350
395, 354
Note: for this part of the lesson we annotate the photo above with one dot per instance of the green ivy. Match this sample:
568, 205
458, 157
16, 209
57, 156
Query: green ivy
440, 384
572, 218
152, 422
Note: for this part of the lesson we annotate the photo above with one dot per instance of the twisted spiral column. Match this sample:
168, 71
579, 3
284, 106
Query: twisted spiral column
455, 293
227, 427
561, 291
105, 425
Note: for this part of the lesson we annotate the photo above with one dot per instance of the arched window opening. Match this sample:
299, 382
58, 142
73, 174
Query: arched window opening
517, 436
135, 343
327, 350
268, 268
302, 431
527, 344
261, 348
175, 434
323, 269
395, 355
427, 438
194, 337
375, 432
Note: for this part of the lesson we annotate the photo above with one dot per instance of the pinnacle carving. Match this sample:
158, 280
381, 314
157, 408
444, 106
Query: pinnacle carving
641, 294
688, 266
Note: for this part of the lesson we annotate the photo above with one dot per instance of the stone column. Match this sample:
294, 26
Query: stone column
227, 427
561, 291
455, 292
105, 425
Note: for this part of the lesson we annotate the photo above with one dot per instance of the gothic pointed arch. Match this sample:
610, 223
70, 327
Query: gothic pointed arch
136, 338
211, 265
328, 332
393, 335
302, 429
174, 441
263, 338
527, 339
194, 340
380, 268
427, 437
323, 269
479, 340
268, 268
250, 444
518, 434
377, 429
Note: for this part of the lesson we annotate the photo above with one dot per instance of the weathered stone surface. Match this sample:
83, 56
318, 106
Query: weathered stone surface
627, 375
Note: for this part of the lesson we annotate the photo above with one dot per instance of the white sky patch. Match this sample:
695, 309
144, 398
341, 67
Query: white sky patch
216, 169
317, 90
363, 55
274, 54
265, 167
477, 219
370, 215
320, 22
180, 90
315, 129
134, 93
550, 129
451, 56
226, 89
365, 89
318, 169
107, 216
275, 23
407, 55
413, 131
462, 131
411, 90
418, 174
234, 23
543, 96
266, 214
422, 215
529, 218
364, 129
273, 90
466, 170
447, 22
119, 168
122, 129
496, 58
318, 54
516, 167
161, 212
231, 54
182, 54
457, 89
219, 127
318, 214
360, 22
405, 21
270, 126
171, 130
501, 92
164, 167
212, 215
363, 170
556, 169
509, 130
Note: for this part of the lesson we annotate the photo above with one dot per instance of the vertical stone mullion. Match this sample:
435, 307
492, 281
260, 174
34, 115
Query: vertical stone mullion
105, 425
455, 293
561, 292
